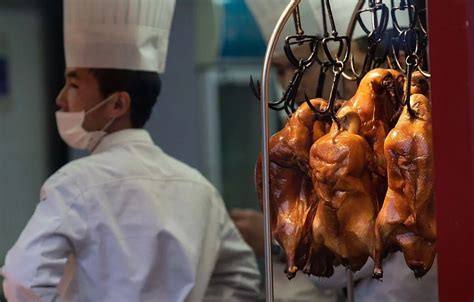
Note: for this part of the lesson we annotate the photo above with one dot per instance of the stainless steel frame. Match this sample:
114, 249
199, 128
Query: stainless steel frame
292, 6
265, 135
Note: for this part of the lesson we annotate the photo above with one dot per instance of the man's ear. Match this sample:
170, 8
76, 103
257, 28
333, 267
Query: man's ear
121, 104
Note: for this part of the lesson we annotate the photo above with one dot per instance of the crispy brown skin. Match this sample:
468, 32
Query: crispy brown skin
377, 101
420, 84
292, 200
407, 218
345, 218
289, 147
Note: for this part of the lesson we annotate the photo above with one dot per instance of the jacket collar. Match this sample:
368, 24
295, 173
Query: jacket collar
123, 137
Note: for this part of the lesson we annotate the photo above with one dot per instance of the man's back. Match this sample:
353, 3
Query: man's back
143, 227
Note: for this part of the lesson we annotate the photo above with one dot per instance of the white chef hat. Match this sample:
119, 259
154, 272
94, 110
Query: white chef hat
118, 34
267, 13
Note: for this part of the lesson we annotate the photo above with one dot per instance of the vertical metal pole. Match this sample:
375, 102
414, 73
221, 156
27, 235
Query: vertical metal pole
265, 136
350, 286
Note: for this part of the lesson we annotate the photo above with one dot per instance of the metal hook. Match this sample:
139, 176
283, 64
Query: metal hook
355, 75
410, 40
299, 40
288, 101
308, 101
413, 41
395, 52
378, 26
337, 70
297, 21
331, 18
319, 116
337, 61
343, 48
329, 111
375, 35
412, 62
423, 42
322, 79
412, 15
255, 88
349, 33
378, 61
425, 73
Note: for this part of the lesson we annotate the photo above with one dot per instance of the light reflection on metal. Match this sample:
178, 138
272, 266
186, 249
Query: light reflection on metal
287, 13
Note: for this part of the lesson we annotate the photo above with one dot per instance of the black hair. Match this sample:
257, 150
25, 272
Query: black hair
144, 87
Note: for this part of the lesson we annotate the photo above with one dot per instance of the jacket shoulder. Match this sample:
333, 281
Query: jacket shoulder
120, 165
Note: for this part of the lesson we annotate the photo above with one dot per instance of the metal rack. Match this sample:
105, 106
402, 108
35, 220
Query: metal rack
287, 13
376, 33
265, 137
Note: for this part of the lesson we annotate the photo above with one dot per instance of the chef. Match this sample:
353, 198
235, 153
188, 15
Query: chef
129, 222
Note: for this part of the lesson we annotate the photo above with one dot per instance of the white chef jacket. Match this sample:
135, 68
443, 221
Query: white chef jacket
141, 226
398, 285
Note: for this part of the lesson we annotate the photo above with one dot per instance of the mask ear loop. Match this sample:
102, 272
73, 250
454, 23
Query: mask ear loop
100, 104
104, 129
107, 125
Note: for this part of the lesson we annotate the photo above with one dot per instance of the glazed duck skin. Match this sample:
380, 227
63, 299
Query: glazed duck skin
347, 208
292, 200
407, 218
377, 101
289, 147
420, 84
291, 203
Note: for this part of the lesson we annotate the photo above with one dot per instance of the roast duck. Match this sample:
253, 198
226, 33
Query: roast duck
407, 218
345, 216
293, 202
377, 101
362, 187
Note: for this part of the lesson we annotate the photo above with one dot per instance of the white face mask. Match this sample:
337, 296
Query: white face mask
74, 135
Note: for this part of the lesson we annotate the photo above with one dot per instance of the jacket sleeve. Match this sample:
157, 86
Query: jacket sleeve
236, 276
35, 264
